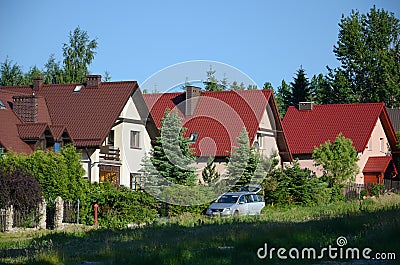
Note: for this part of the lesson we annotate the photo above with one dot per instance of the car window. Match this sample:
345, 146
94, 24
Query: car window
260, 198
255, 197
242, 199
249, 198
228, 199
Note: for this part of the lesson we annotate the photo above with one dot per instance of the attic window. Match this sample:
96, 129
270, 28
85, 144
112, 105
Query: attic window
2, 105
78, 88
193, 136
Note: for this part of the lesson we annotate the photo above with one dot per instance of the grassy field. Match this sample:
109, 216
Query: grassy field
373, 223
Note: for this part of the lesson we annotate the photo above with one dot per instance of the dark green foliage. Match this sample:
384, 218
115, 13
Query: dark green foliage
238, 162
171, 155
300, 89
11, 74
212, 83
283, 98
376, 189
78, 55
294, 186
368, 50
337, 194
118, 206
19, 188
209, 173
59, 174
363, 193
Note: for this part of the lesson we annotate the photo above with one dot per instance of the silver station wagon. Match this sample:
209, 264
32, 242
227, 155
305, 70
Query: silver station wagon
237, 203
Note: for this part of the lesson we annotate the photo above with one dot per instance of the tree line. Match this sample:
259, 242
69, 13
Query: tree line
78, 54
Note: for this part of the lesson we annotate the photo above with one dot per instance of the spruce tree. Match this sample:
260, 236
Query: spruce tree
209, 173
239, 160
172, 155
300, 88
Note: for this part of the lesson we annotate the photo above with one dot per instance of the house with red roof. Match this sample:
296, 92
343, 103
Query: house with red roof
215, 119
108, 122
367, 125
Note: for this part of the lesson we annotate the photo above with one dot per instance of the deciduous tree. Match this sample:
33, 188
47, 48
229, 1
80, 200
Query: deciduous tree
338, 160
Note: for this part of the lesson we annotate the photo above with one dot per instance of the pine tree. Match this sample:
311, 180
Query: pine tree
300, 88
239, 159
209, 173
283, 98
172, 155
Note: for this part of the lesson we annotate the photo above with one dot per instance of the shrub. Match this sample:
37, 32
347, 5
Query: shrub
363, 193
20, 189
375, 189
118, 206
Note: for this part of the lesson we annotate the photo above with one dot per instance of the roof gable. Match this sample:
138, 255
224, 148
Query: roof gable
89, 113
307, 129
218, 118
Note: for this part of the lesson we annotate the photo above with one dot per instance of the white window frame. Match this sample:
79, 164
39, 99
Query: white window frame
134, 140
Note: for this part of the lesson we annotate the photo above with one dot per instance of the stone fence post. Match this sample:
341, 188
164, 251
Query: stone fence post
9, 218
42, 214
59, 214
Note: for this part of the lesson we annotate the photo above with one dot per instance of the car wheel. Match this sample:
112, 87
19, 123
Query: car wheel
236, 213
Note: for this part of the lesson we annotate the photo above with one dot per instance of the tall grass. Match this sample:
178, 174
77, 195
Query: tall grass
195, 239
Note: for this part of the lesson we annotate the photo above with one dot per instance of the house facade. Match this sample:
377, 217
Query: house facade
215, 119
367, 125
108, 123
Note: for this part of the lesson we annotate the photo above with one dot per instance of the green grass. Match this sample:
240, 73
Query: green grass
195, 239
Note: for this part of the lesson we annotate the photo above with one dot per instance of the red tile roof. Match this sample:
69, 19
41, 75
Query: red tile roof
89, 114
219, 117
307, 129
378, 164
31, 130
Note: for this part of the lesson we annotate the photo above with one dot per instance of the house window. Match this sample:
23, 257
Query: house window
109, 174
2, 105
193, 136
382, 144
137, 181
135, 139
57, 147
110, 138
260, 140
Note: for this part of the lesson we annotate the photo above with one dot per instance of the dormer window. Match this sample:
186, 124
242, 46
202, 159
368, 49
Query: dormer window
193, 136
2, 105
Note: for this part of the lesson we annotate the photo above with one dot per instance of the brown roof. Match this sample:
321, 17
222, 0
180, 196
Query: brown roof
88, 114
31, 130
9, 137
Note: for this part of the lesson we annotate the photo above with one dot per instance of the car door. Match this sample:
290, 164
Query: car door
243, 206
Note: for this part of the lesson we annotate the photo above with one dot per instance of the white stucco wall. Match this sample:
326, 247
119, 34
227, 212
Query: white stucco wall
130, 158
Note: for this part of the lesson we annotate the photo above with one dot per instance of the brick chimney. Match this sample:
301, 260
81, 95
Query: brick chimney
192, 98
306, 105
37, 83
26, 108
93, 81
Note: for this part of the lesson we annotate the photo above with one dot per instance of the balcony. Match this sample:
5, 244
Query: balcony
109, 153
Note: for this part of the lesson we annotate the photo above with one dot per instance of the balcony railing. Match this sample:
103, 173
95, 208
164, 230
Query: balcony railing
109, 152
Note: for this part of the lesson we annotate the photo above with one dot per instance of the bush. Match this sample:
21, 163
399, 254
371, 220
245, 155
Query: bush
376, 189
20, 189
363, 193
118, 206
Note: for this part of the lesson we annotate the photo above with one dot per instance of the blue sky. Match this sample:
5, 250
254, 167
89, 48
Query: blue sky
267, 40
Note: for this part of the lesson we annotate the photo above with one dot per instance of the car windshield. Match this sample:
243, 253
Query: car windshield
228, 199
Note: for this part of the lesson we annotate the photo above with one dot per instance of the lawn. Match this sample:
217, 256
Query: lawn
373, 223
